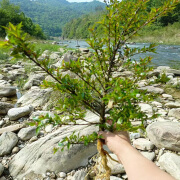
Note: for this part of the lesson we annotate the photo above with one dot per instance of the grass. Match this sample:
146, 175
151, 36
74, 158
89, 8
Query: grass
169, 35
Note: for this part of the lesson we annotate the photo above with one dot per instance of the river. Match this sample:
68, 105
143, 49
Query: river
167, 55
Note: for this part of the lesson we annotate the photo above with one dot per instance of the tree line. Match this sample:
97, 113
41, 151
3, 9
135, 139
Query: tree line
11, 13
78, 28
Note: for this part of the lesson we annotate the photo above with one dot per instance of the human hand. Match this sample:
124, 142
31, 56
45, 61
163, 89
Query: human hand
115, 141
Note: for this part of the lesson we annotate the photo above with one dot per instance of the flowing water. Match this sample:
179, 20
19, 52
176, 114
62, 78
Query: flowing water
167, 55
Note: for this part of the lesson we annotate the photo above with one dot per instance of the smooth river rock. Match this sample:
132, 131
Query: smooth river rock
171, 163
6, 91
16, 113
8, 140
143, 144
38, 157
152, 89
165, 135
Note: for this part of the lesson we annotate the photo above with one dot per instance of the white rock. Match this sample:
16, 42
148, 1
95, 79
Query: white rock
49, 128
155, 103
143, 144
15, 150
146, 108
165, 135
62, 174
135, 135
171, 163
174, 113
16, 113
167, 96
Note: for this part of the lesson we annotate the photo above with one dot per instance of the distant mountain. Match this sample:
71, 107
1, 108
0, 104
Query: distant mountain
52, 15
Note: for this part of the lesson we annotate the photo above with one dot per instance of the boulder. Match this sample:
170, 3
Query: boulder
152, 89
143, 144
170, 162
165, 135
8, 140
43, 113
34, 80
16, 113
40, 154
4, 107
172, 105
174, 113
6, 91
27, 133
80, 175
35, 97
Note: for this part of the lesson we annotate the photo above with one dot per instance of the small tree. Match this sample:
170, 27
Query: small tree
97, 87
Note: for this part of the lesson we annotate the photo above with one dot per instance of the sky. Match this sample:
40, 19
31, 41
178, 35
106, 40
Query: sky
83, 0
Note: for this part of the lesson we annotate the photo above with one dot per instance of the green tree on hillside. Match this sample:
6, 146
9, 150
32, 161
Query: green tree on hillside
11, 13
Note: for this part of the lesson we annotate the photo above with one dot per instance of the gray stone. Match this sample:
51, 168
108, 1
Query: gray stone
7, 91
152, 89
1, 169
143, 144
149, 155
4, 107
163, 68
116, 168
174, 71
36, 97
16, 113
171, 163
79, 175
34, 80
69, 56
27, 133
7, 141
174, 113
165, 135
1, 77
40, 153
172, 105
135, 135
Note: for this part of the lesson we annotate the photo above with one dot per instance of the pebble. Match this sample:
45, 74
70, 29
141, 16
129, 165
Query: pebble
15, 150
62, 174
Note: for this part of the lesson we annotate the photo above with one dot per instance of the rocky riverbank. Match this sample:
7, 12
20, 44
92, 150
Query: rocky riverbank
26, 155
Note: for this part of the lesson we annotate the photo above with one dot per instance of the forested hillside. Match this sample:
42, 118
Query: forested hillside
11, 13
78, 28
52, 15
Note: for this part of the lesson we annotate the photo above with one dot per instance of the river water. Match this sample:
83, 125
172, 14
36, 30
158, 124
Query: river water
167, 55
